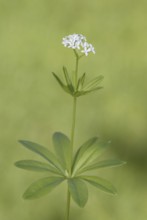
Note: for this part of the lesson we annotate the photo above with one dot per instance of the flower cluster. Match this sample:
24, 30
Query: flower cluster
79, 42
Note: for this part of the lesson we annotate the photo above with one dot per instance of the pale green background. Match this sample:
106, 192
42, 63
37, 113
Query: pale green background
33, 107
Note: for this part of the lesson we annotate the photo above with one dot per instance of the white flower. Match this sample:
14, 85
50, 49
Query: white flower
87, 48
79, 42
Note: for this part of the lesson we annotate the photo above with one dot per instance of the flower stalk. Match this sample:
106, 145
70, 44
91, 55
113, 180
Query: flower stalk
73, 131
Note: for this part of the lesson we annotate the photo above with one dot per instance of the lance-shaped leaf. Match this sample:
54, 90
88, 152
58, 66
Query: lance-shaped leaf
81, 82
93, 83
44, 152
84, 147
42, 187
78, 191
89, 87
62, 147
63, 86
88, 153
100, 183
103, 164
85, 92
68, 81
38, 166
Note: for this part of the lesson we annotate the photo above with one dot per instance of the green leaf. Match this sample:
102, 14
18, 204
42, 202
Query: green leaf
85, 92
38, 166
63, 86
93, 83
100, 183
62, 147
68, 80
42, 187
103, 164
58, 80
81, 82
44, 152
78, 191
88, 153
84, 147
89, 87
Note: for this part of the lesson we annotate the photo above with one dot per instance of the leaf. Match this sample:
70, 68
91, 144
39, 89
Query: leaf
81, 82
58, 80
85, 92
78, 191
93, 83
62, 147
44, 152
90, 87
63, 86
100, 183
42, 187
88, 153
68, 80
83, 149
38, 166
103, 164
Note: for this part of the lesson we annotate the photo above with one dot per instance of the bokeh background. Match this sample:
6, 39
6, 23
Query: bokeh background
33, 107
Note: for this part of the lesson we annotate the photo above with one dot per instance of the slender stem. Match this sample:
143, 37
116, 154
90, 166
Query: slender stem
73, 124
72, 144
76, 70
68, 205
72, 133
74, 110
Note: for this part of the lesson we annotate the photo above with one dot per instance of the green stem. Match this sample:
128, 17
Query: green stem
73, 124
72, 133
76, 70
68, 205
72, 144
74, 110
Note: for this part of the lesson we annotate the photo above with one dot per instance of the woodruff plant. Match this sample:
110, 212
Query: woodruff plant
65, 164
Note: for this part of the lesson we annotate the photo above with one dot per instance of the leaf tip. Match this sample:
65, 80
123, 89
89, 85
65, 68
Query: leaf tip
115, 193
16, 163
21, 141
26, 196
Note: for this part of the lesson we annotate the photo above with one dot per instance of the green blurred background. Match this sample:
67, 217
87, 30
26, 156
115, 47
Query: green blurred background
33, 107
